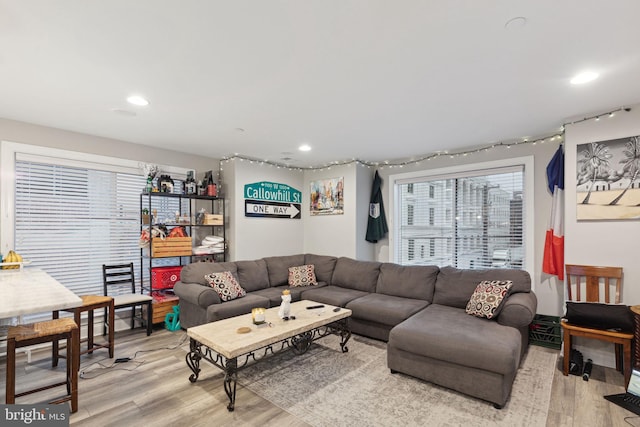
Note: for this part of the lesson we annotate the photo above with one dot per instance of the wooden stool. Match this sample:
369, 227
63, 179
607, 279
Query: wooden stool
89, 303
41, 332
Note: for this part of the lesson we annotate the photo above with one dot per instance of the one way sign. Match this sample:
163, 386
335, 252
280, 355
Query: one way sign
261, 208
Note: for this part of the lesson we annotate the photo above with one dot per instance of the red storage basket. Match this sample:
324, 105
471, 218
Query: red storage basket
165, 277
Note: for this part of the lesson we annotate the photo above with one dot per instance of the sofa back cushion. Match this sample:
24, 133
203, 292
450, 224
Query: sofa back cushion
323, 266
408, 281
253, 275
195, 272
278, 267
455, 286
354, 274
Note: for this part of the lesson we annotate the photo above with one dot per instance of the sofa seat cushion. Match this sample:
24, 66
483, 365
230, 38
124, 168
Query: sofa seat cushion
236, 307
275, 294
333, 295
384, 309
448, 333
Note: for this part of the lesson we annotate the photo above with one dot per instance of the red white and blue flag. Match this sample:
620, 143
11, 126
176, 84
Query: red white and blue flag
553, 260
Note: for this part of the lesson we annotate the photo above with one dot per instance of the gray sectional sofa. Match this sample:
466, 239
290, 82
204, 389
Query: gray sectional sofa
418, 310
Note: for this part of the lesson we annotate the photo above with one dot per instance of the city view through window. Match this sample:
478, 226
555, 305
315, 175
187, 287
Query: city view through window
463, 221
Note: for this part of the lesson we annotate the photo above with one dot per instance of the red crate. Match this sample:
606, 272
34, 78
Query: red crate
165, 277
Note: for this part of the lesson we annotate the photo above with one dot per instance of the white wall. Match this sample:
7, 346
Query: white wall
250, 237
27, 133
609, 243
340, 235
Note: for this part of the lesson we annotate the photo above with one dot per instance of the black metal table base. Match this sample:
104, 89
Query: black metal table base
299, 344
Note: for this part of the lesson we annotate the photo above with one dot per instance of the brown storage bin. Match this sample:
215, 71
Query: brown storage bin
171, 246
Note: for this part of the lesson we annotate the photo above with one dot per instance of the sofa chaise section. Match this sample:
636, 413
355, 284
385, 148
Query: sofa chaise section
476, 356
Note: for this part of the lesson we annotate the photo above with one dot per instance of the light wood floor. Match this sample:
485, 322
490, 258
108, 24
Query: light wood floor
117, 395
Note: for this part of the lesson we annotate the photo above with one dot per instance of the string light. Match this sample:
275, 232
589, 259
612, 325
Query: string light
390, 164
597, 116
417, 160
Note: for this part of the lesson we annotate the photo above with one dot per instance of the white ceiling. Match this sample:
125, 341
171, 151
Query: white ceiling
374, 80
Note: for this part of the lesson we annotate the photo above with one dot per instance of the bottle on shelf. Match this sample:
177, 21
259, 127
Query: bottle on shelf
190, 184
212, 188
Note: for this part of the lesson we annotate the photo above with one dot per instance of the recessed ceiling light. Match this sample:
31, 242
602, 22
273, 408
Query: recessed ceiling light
137, 100
304, 147
584, 77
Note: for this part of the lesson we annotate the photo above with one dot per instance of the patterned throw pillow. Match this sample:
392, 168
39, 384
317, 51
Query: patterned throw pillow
486, 299
303, 275
226, 285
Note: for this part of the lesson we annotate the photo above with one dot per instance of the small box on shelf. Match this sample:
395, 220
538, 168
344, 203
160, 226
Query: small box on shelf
213, 219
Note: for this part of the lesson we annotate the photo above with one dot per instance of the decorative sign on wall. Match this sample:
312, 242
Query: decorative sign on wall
608, 179
271, 200
327, 197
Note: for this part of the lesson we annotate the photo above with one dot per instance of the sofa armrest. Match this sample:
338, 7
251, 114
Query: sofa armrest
518, 310
202, 296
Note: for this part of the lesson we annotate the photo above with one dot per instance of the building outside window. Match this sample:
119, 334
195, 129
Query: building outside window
476, 219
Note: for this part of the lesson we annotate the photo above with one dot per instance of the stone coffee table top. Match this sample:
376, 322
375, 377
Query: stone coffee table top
222, 336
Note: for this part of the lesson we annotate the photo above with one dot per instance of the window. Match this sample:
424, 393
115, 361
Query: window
410, 211
411, 249
409, 188
477, 218
71, 216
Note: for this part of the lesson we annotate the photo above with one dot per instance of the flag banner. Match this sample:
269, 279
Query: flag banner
377, 223
553, 259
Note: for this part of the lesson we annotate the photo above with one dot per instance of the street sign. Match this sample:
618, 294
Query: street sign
271, 200
272, 192
261, 208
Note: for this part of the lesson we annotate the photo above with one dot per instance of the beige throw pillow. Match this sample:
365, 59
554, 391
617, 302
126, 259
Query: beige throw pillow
226, 285
487, 298
303, 275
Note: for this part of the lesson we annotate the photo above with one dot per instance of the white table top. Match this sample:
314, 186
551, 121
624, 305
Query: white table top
221, 336
31, 290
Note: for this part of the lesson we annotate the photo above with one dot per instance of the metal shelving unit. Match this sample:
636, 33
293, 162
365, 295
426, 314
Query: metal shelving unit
178, 210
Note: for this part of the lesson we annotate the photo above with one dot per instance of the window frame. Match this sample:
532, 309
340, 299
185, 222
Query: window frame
470, 169
12, 152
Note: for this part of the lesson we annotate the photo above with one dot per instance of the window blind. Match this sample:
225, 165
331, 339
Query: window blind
467, 220
69, 221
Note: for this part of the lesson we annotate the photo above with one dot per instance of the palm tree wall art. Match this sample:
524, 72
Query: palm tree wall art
608, 179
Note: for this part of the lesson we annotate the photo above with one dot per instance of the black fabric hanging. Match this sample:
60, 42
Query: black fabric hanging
377, 224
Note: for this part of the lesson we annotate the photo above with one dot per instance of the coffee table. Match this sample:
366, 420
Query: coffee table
221, 344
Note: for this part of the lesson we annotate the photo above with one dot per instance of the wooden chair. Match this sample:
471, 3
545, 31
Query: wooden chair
119, 281
37, 333
593, 278
89, 304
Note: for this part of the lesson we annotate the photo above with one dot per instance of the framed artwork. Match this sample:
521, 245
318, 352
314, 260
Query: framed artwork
327, 197
608, 179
